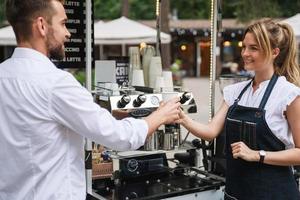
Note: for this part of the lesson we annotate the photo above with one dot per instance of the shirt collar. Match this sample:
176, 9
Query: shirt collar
262, 84
28, 53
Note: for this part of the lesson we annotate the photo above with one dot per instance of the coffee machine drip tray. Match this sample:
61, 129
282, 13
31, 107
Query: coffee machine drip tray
161, 183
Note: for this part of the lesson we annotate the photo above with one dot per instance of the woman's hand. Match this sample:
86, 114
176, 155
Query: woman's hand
183, 118
241, 150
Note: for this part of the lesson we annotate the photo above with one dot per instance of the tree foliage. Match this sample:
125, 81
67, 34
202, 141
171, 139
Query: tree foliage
243, 10
104, 9
142, 9
253, 9
246, 10
192, 9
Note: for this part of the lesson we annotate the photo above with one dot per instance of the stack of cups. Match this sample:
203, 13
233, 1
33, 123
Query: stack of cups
168, 81
134, 62
155, 70
148, 52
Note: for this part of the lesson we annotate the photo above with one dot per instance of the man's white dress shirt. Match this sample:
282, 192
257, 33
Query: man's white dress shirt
44, 116
282, 95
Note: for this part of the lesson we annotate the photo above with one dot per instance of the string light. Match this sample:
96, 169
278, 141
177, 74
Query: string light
240, 44
143, 45
211, 71
227, 43
183, 47
157, 8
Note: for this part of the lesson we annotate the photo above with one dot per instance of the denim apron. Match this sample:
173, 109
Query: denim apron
254, 180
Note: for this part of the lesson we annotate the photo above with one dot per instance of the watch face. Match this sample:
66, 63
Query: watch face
262, 153
155, 100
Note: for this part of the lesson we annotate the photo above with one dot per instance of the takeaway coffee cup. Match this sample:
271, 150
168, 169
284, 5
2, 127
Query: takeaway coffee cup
137, 77
168, 81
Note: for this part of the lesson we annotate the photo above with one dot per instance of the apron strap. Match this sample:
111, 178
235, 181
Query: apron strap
242, 92
268, 91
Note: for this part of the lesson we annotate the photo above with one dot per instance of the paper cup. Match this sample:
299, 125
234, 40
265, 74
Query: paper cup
137, 78
168, 81
159, 83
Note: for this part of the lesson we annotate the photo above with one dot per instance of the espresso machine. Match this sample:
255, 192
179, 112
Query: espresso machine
138, 104
150, 172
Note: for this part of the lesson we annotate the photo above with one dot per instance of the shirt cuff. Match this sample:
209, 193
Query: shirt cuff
141, 133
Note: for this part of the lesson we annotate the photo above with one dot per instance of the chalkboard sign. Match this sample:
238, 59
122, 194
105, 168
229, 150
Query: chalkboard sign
75, 47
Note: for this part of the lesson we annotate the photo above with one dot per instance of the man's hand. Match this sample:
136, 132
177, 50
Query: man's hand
169, 111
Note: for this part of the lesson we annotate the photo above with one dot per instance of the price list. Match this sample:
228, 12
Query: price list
75, 47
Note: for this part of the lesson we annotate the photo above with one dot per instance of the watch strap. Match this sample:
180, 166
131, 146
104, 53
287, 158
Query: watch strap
262, 155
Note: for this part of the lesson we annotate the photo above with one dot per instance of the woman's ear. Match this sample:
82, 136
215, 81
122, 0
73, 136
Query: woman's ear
275, 52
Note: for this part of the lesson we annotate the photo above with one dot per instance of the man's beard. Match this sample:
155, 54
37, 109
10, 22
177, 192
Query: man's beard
55, 49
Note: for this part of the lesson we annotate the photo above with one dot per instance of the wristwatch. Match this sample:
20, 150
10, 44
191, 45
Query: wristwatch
262, 155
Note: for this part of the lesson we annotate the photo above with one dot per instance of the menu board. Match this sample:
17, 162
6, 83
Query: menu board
75, 47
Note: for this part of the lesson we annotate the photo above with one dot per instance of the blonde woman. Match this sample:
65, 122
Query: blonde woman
261, 117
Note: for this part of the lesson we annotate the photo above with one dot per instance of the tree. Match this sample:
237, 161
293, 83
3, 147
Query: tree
243, 10
107, 9
2, 13
289, 8
125, 8
246, 10
142, 9
192, 9
165, 48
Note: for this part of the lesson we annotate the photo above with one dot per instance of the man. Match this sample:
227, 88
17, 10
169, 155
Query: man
45, 113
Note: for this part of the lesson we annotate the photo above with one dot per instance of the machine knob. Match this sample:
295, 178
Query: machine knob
125, 99
139, 100
133, 195
185, 97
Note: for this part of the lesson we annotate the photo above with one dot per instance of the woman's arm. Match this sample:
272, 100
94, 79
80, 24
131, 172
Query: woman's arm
284, 158
206, 131
290, 156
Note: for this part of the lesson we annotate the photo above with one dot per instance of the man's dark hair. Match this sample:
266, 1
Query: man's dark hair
21, 13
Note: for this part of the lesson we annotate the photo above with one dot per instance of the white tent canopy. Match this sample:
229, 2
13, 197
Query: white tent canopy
294, 22
118, 31
7, 36
126, 31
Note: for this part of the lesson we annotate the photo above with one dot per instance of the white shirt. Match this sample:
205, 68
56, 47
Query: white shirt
44, 116
282, 95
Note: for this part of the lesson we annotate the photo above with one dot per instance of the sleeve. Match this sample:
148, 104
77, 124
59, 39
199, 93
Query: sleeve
292, 94
228, 94
73, 106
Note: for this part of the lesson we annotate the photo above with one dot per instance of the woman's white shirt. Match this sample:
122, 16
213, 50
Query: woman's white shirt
282, 95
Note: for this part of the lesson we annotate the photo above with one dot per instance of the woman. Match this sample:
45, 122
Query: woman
261, 117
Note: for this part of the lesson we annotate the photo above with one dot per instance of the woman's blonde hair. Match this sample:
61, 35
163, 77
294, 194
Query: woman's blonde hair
270, 35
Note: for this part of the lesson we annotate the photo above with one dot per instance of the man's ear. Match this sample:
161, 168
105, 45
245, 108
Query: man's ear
42, 26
